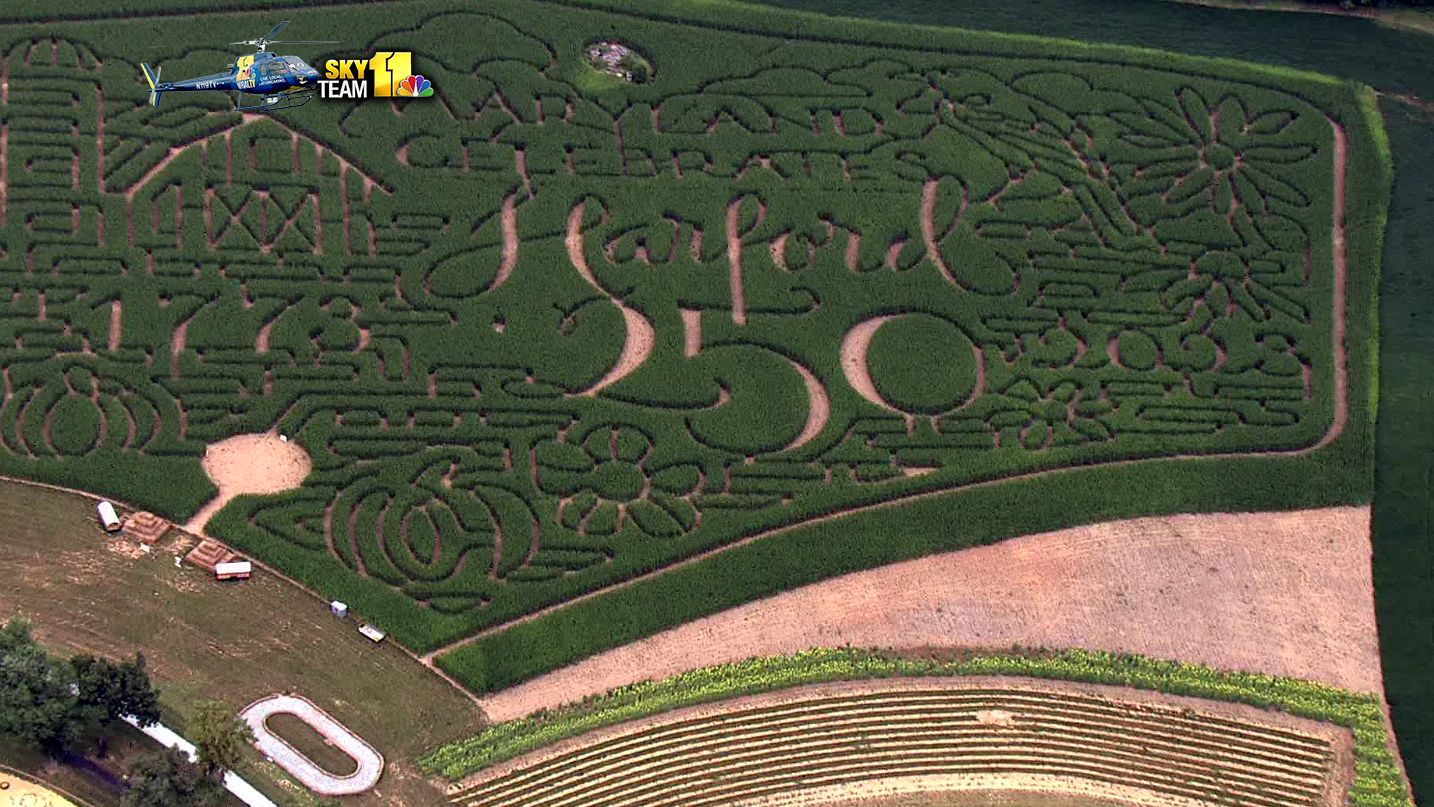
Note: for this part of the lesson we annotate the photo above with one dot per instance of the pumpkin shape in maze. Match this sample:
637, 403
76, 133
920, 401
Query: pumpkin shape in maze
543, 334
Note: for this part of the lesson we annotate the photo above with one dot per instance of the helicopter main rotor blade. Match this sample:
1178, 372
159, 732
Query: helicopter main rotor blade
276, 30
304, 42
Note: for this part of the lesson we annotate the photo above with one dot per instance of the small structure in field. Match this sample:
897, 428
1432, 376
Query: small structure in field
233, 570
147, 528
619, 60
109, 519
372, 634
338, 609
209, 554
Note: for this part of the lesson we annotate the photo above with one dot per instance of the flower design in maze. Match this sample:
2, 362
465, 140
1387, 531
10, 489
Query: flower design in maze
75, 410
1136, 260
1197, 155
1055, 416
608, 483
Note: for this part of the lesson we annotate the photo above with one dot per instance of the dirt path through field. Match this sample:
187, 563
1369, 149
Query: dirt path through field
854, 347
1279, 593
250, 463
641, 336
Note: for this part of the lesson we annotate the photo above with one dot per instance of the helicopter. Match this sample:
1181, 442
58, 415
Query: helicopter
279, 82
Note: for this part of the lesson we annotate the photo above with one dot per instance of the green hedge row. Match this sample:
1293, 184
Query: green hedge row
1377, 779
1404, 454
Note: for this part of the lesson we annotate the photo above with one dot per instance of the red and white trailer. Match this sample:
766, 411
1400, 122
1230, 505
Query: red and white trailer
233, 570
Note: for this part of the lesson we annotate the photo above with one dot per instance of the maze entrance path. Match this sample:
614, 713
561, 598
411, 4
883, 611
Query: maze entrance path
540, 338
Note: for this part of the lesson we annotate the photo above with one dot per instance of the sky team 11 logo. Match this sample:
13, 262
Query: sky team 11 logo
386, 74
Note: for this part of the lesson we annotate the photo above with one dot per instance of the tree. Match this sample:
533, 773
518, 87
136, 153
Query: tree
219, 736
38, 704
168, 779
117, 689
113, 691
636, 67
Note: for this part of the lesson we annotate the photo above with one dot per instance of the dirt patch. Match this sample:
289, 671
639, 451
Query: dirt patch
641, 336
510, 241
116, 321
22, 793
1279, 593
819, 407
1341, 272
691, 332
734, 263
853, 360
250, 463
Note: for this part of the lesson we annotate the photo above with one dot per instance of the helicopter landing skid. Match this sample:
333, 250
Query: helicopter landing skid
272, 103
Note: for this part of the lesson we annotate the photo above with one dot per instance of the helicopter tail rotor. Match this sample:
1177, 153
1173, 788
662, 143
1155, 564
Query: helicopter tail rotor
155, 85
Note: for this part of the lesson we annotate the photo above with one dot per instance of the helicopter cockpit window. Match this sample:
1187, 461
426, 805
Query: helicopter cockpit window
273, 68
296, 63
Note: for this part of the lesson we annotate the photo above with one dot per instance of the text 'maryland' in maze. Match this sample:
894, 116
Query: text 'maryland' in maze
546, 331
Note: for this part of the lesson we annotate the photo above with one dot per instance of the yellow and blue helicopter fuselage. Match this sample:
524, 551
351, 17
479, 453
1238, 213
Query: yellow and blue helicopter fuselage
279, 81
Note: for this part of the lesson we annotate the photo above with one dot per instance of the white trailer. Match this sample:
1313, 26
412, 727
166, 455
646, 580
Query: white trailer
234, 570
109, 519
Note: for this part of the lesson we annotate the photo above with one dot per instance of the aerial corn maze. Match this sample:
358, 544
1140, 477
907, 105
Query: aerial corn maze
552, 333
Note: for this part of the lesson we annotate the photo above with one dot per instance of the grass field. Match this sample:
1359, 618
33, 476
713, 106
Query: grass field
1403, 520
236, 643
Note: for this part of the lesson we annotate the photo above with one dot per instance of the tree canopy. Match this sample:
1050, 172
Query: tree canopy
38, 704
116, 690
169, 779
219, 735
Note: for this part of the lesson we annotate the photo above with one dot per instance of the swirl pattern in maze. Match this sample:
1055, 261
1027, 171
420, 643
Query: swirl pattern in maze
543, 334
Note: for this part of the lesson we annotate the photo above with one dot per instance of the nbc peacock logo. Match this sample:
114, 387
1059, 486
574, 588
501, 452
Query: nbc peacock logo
415, 87
386, 74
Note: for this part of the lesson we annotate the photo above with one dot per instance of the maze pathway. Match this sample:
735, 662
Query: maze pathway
541, 337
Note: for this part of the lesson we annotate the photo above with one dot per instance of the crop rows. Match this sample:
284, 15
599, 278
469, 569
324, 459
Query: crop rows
544, 333
749, 752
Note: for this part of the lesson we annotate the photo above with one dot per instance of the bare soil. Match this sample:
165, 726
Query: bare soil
853, 359
1279, 593
250, 463
819, 407
641, 336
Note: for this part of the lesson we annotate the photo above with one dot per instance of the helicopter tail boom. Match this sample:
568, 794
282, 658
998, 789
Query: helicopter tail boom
155, 86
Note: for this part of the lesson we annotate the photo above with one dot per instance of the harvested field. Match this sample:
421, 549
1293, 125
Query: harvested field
1278, 593
804, 746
